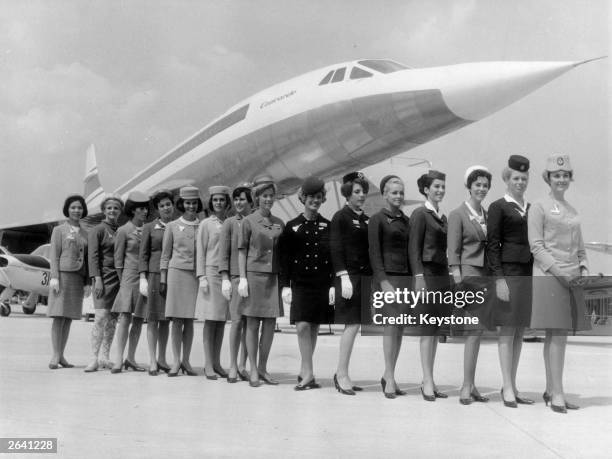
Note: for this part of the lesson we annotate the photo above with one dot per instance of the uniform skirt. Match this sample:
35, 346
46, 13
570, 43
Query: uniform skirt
181, 294
264, 298
436, 280
68, 302
517, 311
129, 299
476, 280
310, 303
555, 306
213, 304
156, 304
110, 281
237, 302
348, 311
395, 309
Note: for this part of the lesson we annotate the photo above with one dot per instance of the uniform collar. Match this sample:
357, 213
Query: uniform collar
196, 222
429, 206
510, 199
356, 215
390, 214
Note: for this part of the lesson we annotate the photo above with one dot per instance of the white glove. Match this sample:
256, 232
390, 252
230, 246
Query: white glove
332, 295
226, 289
86, 291
243, 287
54, 285
347, 287
286, 295
204, 284
143, 287
501, 290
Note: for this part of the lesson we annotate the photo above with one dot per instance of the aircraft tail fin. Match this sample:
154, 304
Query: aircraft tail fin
93, 190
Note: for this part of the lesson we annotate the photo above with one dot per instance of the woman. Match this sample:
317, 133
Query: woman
307, 275
177, 276
511, 263
228, 268
210, 297
69, 281
467, 239
129, 302
560, 261
101, 260
429, 264
258, 262
388, 246
350, 260
148, 266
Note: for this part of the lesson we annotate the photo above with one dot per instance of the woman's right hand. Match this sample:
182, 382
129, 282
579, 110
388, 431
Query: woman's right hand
243, 287
54, 285
286, 295
347, 287
98, 287
143, 287
501, 290
419, 283
226, 289
204, 284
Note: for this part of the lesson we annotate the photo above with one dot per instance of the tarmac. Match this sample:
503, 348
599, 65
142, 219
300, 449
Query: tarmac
99, 415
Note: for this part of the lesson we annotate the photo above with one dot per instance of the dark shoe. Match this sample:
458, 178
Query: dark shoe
173, 374
357, 388
479, 398
65, 364
221, 372
428, 398
268, 380
438, 394
558, 408
127, 365
115, 370
243, 375
189, 372
547, 398
511, 404
163, 368
210, 377
340, 389
383, 383
523, 400
309, 385
232, 380
466, 401
153, 372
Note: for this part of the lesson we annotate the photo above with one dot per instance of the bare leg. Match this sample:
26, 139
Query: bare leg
304, 335
152, 337
243, 348
135, 330
208, 335
252, 343
516, 355
219, 332
470, 357
162, 342
265, 344
428, 345
65, 333
546, 353
176, 339
122, 335
56, 339
234, 345
187, 342
558, 345
347, 340
505, 349
389, 343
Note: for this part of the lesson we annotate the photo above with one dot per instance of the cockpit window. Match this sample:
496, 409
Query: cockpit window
339, 75
327, 77
382, 66
356, 73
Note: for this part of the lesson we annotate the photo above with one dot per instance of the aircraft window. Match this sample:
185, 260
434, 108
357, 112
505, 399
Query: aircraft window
339, 75
356, 73
326, 79
382, 66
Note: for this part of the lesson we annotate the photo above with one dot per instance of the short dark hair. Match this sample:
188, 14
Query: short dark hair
475, 174
159, 197
425, 181
302, 196
131, 206
243, 189
70, 199
228, 202
347, 188
180, 205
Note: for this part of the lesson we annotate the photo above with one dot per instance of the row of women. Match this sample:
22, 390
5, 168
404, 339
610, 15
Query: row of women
240, 267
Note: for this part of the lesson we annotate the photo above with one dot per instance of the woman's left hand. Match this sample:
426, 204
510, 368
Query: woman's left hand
332, 295
54, 285
87, 291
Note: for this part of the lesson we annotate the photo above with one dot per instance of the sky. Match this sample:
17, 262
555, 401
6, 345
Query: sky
135, 78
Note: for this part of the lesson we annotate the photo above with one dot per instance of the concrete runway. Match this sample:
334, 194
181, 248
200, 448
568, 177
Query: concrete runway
136, 415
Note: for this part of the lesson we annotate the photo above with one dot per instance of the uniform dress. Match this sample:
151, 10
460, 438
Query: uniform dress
101, 260
68, 261
349, 252
178, 258
306, 268
388, 247
556, 239
261, 240
467, 241
127, 248
212, 303
148, 263
228, 261
427, 253
509, 256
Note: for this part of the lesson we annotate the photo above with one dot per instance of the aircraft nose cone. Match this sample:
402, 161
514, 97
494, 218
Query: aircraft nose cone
474, 91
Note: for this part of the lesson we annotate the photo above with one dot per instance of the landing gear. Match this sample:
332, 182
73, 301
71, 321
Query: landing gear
5, 309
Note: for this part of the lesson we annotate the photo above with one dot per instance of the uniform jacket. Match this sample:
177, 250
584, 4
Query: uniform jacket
349, 242
507, 240
388, 244
179, 245
68, 251
427, 239
555, 235
228, 245
207, 244
466, 239
151, 247
261, 240
127, 246
101, 248
305, 252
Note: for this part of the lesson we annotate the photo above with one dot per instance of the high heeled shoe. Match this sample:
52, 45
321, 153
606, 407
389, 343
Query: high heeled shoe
163, 368
558, 408
439, 394
91, 367
383, 383
127, 365
427, 398
268, 380
548, 398
53, 366
523, 400
254, 383
221, 372
187, 371
478, 398
153, 372
243, 375
210, 377
340, 389
65, 364
312, 384
511, 404
466, 401
173, 374
115, 371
